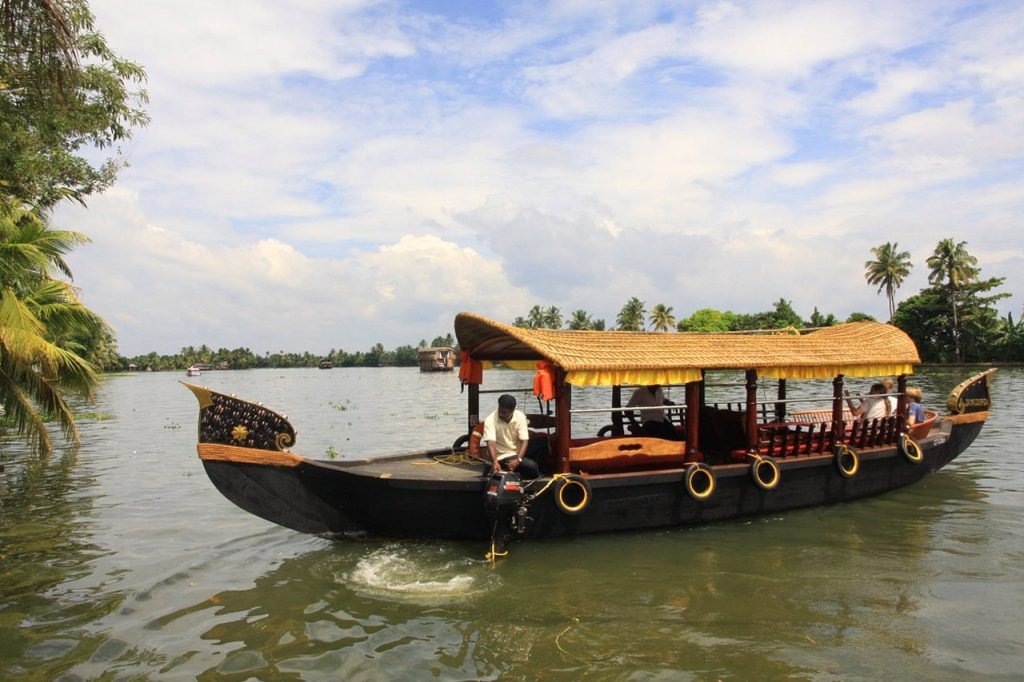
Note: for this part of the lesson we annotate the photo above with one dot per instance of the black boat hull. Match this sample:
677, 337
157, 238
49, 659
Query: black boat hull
335, 500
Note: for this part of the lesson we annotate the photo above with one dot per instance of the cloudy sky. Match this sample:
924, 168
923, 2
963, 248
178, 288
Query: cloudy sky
335, 174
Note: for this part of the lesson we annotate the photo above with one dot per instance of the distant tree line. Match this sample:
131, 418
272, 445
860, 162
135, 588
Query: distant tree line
244, 358
634, 317
952, 320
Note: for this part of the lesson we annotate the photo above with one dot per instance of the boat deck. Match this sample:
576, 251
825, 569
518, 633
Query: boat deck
422, 467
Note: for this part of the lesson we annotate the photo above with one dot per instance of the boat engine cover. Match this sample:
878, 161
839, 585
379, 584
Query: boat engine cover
503, 494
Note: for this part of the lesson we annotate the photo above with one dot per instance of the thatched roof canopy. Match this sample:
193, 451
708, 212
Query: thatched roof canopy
858, 349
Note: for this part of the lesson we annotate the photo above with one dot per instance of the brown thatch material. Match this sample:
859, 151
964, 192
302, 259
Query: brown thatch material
590, 357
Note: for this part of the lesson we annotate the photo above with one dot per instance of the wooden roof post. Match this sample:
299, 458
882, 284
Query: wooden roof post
617, 427
751, 422
693, 420
474, 406
563, 406
838, 428
780, 407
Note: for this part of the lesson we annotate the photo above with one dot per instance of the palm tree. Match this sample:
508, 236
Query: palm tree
535, 318
39, 318
580, 319
662, 318
951, 265
552, 318
631, 317
888, 271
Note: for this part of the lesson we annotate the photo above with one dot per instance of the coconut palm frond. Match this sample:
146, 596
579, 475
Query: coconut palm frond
20, 411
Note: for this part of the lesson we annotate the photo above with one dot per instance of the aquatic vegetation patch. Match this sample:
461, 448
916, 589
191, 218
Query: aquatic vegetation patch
96, 416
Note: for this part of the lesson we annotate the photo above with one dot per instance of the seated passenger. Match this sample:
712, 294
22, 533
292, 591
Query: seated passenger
652, 423
875, 406
889, 385
915, 410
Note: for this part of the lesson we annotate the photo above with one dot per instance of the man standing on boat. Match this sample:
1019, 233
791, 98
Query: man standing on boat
507, 438
655, 423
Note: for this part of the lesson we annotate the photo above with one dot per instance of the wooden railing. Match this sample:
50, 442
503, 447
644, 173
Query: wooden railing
785, 440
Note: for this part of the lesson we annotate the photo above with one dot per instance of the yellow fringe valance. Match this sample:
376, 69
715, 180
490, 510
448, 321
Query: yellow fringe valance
826, 372
643, 377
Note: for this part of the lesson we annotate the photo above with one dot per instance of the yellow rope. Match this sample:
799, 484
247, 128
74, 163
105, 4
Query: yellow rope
493, 555
558, 644
453, 458
547, 485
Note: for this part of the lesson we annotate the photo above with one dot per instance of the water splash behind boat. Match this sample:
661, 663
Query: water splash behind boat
410, 573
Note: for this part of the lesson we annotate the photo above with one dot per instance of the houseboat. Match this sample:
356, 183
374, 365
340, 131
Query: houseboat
437, 359
326, 364
756, 455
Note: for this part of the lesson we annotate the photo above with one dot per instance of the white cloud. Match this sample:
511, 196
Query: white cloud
586, 85
800, 174
792, 38
894, 88
394, 166
226, 43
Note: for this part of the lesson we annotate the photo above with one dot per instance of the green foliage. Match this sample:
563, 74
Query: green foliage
443, 341
860, 317
819, 320
580, 320
781, 316
1009, 339
631, 317
63, 94
405, 356
925, 318
932, 319
707, 320
540, 318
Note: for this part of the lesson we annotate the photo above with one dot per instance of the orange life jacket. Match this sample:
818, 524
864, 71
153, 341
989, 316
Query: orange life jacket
474, 440
544, 381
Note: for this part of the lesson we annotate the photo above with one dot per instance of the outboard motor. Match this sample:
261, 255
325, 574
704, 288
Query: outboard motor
505, 505
504, 493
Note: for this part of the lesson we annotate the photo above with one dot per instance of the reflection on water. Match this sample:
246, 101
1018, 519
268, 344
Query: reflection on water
122, 561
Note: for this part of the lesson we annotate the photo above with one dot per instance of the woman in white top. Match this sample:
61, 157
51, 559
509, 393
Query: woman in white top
874, 406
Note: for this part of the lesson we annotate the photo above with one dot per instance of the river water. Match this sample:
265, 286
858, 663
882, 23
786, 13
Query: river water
121, 561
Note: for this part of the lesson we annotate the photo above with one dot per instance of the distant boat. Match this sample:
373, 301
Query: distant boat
437, 359
326, 364
192, 371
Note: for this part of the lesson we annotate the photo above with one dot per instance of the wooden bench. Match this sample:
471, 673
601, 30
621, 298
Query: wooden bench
629, 453
818, 417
